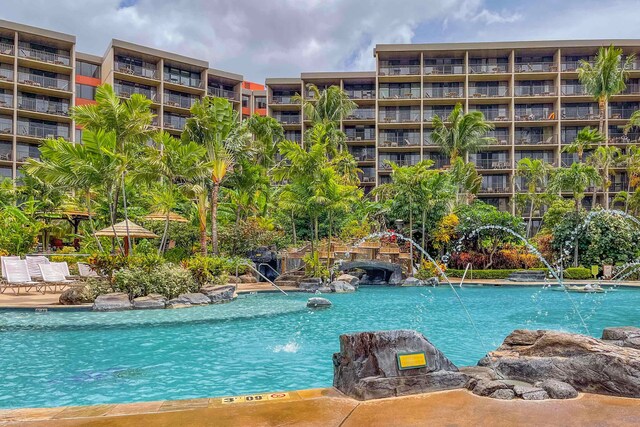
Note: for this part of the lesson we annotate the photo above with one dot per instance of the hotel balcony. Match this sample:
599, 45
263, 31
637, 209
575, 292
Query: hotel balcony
35, 80
6, 125
545, 156
536, 67
535, 90
494, 114
440, 69
217, 92
399, 141
47, 106
125, 91
618, 136
25, 152
284, 100
6, 100
363, 154
40, 130
391, 115
59, 58
488, 91
399, 91
362, 134
6, 151
488, 68
144, 69
400, 69
6, 48
580, 112
186, 78
288, 119
384, 161
360, 93
367, 177
500, 136
631, 89
570, 66
497, 163
6, 73
573, 90
361, 114
535, 136
294, 136
444, 92
567, 159
442, 112
534, 113
621, 113
178, 100
174, 122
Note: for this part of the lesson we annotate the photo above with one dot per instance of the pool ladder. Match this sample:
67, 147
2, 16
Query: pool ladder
262, 275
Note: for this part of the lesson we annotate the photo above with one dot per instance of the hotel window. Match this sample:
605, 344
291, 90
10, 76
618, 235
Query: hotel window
245, 101
261, 102
88, 70
85, 91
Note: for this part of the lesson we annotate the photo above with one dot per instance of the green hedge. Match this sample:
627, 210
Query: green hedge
486, 274
578, 273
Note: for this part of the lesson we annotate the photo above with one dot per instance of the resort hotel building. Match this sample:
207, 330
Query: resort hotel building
529, 91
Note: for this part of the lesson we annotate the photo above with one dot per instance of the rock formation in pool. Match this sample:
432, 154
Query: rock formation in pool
368, 365
376, 272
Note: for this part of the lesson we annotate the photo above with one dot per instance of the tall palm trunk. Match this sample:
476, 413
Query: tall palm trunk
626, 199
530, 217
202, 219
163, 242
602, 105
214, 217
605, 185
293, 227
93, 228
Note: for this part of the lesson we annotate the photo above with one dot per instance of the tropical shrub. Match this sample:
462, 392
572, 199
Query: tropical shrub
577, 273
247, 235
313, 267
487, 274
166, 279
18, 232
212, 270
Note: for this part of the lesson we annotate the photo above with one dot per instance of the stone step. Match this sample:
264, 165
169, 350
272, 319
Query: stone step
286, 283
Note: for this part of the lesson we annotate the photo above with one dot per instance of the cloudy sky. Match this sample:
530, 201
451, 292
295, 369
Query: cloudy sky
281, 38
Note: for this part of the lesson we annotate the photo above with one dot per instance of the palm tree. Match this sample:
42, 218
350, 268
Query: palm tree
130, 121
215, 125
606, 77
631, 161
535, 173
603, 158
267, 133
585, 139
576, 179
461, 134
466, 179
330, 105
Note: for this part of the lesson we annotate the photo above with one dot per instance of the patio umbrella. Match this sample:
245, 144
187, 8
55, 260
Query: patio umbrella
135, 231
159, 216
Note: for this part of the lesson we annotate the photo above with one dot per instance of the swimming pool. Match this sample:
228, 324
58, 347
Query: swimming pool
267, 342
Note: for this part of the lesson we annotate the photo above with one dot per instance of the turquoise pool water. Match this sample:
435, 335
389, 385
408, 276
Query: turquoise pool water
259, 343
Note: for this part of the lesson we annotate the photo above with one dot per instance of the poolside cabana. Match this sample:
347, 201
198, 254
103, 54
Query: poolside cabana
120, 230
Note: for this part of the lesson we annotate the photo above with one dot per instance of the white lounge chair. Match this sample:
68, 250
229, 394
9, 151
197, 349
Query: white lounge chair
33, 262
2, 260
18, 276
85, 270
53, 276
62, 267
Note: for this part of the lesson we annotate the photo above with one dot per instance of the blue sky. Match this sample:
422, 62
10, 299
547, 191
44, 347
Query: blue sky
281, 38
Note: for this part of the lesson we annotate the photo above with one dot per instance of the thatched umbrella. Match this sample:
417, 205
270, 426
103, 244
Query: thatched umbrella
120, 230
159, 216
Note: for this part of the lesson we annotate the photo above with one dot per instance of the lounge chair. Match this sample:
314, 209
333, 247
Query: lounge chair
33, 262
3, 259
85, 270
18, 276
62, 267
53, 276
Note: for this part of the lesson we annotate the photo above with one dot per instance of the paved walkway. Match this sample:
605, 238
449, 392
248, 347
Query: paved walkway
328, 407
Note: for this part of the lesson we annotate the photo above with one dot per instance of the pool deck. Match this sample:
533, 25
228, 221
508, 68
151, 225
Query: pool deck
328, 407
34, 300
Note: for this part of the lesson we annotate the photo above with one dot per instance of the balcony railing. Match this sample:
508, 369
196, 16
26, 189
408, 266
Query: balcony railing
400, 93
430, 114
531, 139
293, 136
528, 115
621, 113
174, 122
503, 188
43, 81
494, 114
399, 70
222, 93
536, 67
631, 89
488, 68
361, 93
6, 100
492, 164
288, 120
444, 69
399, 141
6, 125
284, 99
363, 136
619, 186
6, 153
488, 92
6, 74
26, 152
367, 179
176, 100
399, 117
147, 70
499, 139
41, 130
43, 106
621, 138
6, 48
126, 91
193, 82
384, 165
546, 90
580, 113
443, 92
571, 66
361, 115
364, 155
574, 90
44, 56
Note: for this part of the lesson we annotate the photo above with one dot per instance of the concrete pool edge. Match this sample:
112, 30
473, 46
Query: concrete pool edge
327, 406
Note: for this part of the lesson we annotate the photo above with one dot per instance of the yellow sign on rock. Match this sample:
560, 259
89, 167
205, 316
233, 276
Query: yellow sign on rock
412, 360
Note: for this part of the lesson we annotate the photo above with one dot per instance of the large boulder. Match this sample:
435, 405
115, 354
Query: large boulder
587, 364
247, 278
557, 389
75, 295
310, 284
412, 281
340, 287
317, 302
150, 302
219, 294
115, 301
624, 336
350, 279
367, 366
233, 279
187, 300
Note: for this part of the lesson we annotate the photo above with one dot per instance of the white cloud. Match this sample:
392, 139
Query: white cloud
278, 38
